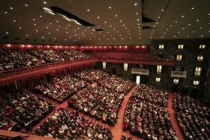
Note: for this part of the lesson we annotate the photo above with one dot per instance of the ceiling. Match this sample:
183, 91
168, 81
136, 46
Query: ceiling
125, 22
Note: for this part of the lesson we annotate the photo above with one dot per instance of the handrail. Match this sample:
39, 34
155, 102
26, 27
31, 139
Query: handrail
32, 68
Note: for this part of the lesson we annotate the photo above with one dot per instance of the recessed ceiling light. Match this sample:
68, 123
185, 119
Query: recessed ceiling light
193, 31
178, 32
202, 35
183, 28
34, 19
40, 16
189, 24
162, 10
5, 12
49, 33
88, 10
188, 36
55, 38
171, 25
98, 17
44, 2
20, 28
57, 21
65, 39
34, 24
27, 35
197, 20
115, 15
120, 20
11, 8
192, 8
137, 13
26, 5
47, 27
135, 4
182, 16
161, 36
7, 33
176, 21
209, 14
14, 20
167, 29
174, 36
42, 36
110, 7
158, 17
201, 27
105, 22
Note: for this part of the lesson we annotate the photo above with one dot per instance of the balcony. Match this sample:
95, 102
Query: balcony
178, 74
140, 71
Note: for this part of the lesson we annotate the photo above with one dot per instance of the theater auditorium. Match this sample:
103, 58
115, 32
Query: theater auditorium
104, 70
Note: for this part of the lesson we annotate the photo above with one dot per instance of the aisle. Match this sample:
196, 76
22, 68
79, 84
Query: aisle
173, 118
117, 129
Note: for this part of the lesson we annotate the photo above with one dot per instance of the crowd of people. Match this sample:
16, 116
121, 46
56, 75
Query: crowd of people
91, 75
98, 102
70, 125
60, 88
20, 110
116, 83
146, 117
18, 58
152, 95
193, 118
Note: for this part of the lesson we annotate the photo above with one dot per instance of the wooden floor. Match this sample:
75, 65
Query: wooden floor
117, 130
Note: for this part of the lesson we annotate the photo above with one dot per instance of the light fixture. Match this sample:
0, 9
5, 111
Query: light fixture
48, 10
26, 5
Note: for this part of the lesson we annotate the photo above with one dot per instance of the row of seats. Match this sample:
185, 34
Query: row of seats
124, 137
116, 83
98, 102
193, 118
16, 58
69, 125
91, 75
22, 110
152, 95
60, 88
147, 118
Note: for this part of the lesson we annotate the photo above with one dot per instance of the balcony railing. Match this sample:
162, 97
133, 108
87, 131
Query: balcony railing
179, 74
140, 71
